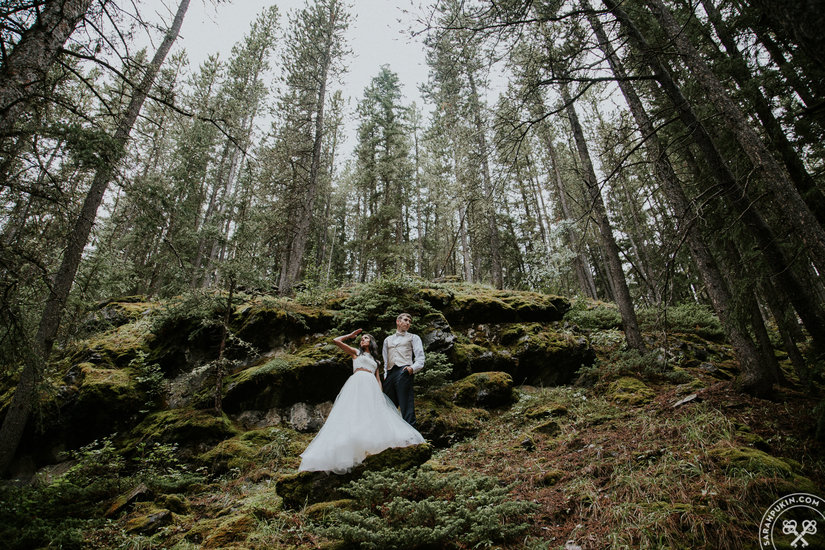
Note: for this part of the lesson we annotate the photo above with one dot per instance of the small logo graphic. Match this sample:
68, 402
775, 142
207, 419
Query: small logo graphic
793, 520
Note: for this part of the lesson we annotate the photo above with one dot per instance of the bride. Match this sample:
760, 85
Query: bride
363, 421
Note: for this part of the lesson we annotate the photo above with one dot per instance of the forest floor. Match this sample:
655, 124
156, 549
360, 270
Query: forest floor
638, 453
602, 472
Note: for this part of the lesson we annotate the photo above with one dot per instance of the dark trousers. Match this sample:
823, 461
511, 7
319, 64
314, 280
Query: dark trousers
398, 385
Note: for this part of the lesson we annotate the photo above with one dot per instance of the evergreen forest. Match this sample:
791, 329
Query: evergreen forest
607, 219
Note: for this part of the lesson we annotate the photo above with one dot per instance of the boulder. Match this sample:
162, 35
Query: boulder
443, 423
284, 380
531, 353
630, 391
483, 389
484, 305
311, 487
193, 431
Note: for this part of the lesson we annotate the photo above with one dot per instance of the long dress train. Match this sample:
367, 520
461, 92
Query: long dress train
363, 421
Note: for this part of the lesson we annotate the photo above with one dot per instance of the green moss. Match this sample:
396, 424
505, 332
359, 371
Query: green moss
116, 347
148, 518
174, 503
233, 529
281, 381
751, 461
443, 423
185, 427
484, 389
551, 477
230, 454
263, 504
478, 304
549, 427
320, 510
630, 391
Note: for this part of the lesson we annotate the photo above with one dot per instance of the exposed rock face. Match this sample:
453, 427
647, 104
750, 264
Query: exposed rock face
484, 389
531, 353
284, 381
293, 373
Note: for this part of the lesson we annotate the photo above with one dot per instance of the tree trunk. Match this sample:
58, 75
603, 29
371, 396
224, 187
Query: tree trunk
25, 394
295, 251
795, 213
802, 180
737, 197
489, 194
614, 263
220, 370
715, 285
39, 47
580, 263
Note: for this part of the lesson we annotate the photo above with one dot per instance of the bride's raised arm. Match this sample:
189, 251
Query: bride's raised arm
339, 341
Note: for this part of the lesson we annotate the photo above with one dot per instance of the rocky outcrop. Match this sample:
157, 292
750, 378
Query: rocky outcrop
158, 359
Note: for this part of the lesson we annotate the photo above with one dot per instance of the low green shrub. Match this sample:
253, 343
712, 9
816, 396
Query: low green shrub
374, 306
437, 371
691, 318
650, 366
593, 315
423, 509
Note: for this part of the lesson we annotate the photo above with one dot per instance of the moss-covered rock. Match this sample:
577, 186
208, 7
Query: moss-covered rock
228, 531
544, 411
483, 389
283, 380
548, 427
312, 487
532, 353
114, 348
270, 324
148, 519
97, 402
229, 454
550, 477
485, 305
630, 391
194, 431
264, 503
443, 423
752, 461
319, 510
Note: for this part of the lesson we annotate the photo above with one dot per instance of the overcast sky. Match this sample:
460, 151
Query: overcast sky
378, 34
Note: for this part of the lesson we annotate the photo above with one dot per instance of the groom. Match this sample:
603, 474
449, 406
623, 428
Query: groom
404, 356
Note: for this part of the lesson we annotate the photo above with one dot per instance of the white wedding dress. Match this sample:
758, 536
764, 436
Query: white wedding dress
363, 421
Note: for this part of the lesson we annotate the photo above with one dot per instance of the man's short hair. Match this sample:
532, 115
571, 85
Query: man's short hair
400, 315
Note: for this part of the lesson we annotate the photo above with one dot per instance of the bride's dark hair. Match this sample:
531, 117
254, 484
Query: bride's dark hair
373, 349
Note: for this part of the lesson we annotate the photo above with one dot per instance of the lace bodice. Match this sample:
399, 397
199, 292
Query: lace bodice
364, 362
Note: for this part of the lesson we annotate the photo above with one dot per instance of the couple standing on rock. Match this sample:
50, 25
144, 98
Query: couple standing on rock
364, 419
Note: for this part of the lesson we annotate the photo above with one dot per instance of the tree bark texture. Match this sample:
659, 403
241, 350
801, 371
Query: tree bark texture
715, 284
25, 394
736, 196
795, 213
38, 49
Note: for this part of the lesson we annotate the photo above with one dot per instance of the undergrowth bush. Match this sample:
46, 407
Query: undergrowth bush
692, 318
427, 510
56, 513
437, 371
593, 315
374, 306
651, 366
